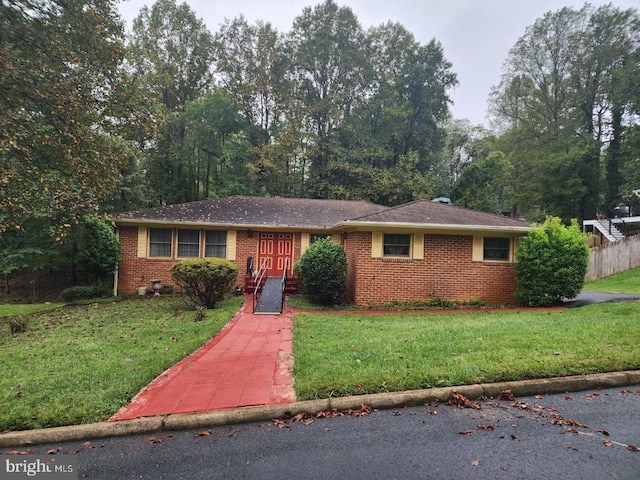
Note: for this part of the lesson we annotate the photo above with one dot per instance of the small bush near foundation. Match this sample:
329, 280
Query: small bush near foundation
204, 281
323, 269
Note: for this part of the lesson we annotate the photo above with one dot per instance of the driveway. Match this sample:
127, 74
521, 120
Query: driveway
589, 297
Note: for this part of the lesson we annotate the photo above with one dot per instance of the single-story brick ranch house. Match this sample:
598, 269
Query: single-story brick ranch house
420, 250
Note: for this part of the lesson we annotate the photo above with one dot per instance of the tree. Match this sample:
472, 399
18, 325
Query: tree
565, 94
252, 63
212, 128
323, 269
484, 184
170, 53
59, 87
552, 262
98, 248
329, 69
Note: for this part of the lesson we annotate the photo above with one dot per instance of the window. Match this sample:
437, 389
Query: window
188, 243
397, 244
215, 244
496, 248
160, 242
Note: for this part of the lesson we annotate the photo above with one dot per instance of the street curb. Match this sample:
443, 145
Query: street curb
184, 421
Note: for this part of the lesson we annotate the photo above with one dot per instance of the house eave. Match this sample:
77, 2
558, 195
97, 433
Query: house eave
137, 222
429, 227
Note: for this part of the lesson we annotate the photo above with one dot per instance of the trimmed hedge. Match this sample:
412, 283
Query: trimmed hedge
204, 281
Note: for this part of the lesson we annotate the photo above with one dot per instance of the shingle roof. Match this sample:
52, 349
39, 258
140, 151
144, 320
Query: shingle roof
425, 212
255, 211
247, 212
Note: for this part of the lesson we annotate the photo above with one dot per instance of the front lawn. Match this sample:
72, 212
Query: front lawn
625, 282
81, 363
345, 354
14, 309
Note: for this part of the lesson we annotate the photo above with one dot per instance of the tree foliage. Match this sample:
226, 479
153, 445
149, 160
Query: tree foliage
59, 82
552, 262
323, 269
566, 105
204, 281
98, 248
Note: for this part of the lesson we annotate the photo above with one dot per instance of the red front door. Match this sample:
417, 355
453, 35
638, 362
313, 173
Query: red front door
276, 248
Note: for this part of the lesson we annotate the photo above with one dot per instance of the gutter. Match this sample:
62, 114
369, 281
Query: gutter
429, 226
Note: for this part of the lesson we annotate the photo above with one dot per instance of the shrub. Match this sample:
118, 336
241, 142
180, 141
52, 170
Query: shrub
552, 262
73, 294
98, 248
204, 281
323, 270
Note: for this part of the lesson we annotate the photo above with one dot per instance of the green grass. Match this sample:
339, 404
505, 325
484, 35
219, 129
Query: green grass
12, 310
625, 282
81, 363
339, 354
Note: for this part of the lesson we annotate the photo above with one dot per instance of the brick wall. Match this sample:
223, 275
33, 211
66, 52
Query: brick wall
134, 272
446, 272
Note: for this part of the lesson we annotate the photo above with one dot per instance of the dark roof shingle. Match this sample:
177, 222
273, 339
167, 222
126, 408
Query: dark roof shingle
425, 212
247, 211
256, 211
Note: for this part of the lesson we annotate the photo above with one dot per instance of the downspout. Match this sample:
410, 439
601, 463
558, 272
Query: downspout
115, 274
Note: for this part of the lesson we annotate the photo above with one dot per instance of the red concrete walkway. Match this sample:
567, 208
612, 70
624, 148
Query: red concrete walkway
248, 363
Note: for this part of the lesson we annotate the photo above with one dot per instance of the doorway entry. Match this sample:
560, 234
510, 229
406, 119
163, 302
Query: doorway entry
276, 247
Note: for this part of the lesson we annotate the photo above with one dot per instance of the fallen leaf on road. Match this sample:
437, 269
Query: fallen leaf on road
607, 443
486, 427
202, 434
155, 440
633, 448
465, 432
507, 395
604, 432
475, 463
462, 402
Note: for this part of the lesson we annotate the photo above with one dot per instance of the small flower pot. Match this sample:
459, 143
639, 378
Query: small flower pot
142, 291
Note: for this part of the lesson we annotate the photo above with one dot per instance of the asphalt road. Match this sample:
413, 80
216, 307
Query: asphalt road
584, 435
589, 297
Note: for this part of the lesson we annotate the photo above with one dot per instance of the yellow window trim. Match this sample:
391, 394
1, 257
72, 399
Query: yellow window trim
232, 246
143, 241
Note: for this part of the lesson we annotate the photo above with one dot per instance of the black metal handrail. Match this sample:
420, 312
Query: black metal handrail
284, 281
258, 277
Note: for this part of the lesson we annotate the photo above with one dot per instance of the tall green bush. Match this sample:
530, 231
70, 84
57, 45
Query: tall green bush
552, 262
204, 281
323, 269
98, 248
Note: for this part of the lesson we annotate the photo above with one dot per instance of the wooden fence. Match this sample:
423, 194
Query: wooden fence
614, 257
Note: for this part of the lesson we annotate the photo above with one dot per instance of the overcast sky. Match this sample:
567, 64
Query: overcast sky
476, 35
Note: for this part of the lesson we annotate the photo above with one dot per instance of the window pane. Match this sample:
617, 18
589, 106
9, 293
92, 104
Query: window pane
215, 244
188, 243
496, 248
397, 245
160, 242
